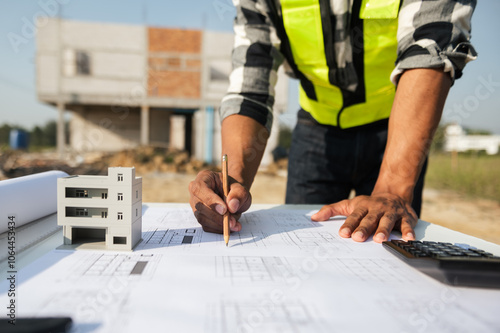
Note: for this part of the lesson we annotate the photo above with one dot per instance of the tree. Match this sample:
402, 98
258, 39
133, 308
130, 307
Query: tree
285, 137
36, 136
50, 134
4, 134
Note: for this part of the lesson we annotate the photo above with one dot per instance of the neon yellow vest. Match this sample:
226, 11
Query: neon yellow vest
303, 26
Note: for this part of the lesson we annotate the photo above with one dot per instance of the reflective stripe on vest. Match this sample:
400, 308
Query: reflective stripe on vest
304, 28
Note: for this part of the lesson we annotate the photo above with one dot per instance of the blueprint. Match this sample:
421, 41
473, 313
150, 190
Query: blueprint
282, 272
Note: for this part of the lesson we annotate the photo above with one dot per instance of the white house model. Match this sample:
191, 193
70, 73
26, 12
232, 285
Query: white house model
101, 212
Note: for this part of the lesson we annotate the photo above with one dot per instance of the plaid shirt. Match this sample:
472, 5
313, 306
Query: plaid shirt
431, 34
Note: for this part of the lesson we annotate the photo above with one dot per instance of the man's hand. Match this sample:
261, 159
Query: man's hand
415, 115
206, 194
377, 214
243, 140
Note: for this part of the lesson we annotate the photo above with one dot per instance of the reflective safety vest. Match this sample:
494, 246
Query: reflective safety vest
308, 25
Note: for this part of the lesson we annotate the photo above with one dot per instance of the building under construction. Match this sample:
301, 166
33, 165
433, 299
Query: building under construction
129, 85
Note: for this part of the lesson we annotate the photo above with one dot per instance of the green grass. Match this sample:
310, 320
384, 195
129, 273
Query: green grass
474, 174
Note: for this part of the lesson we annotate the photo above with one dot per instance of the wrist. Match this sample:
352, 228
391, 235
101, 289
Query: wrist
402, 188
241, 173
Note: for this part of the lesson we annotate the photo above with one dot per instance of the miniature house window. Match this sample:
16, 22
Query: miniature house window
136, 212
119, 240
82, 60
120, 216
120, 196
120, 177
82, 193
104, 215
136, 194
104, 195
82, 212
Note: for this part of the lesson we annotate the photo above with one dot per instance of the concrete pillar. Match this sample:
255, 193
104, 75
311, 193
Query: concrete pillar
188, 134
145, 125
61, 140
209, 134
177, 131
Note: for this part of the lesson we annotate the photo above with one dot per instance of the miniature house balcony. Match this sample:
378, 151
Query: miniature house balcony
90, 193
82, 212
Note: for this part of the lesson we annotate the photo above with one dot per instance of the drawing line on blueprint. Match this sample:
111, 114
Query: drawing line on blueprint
173, 237
133, 266
242, 269
253, 316
367, 269
252, 238
283, 220
311, 239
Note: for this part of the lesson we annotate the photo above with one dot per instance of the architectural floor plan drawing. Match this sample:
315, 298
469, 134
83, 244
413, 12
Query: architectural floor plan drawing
255, 316
281, 230
130, 266
241, 270
281, 273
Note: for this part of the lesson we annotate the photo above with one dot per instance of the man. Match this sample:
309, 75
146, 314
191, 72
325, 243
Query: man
343, 52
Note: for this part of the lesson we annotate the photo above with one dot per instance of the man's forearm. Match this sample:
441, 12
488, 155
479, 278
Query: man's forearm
415, 115
244, 141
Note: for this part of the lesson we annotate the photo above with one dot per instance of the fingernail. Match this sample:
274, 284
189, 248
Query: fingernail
410, 236
358, 234
234, 205
219, 209
345, 231
380, 237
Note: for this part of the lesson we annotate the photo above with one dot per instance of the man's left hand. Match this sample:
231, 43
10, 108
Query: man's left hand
377, 215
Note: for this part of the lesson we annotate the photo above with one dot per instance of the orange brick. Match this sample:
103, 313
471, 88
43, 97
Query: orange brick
174, 62
176, 84
174, 40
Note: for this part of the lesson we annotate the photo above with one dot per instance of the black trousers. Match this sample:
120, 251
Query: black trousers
326, 163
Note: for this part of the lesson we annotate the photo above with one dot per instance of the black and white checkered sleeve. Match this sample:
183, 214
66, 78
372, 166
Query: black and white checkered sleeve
256, 59
434, 34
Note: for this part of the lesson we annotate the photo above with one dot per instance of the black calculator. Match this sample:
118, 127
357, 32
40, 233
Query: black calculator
453, 264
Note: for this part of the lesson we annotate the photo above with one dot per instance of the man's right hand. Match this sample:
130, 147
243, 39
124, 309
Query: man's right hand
206, 200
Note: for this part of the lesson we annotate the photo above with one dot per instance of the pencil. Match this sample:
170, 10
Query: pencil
225, 185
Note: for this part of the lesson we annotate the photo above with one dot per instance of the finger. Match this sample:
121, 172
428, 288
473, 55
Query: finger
234, 225
385, 226
366, 227
352, 222
204, 188
209, 219
407, 229
327, 211
239, 198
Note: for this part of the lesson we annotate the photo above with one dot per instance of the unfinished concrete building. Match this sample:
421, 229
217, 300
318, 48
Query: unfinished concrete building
129, 85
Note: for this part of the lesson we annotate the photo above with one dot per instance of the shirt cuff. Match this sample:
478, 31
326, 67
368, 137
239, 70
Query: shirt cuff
247, 106
426, 53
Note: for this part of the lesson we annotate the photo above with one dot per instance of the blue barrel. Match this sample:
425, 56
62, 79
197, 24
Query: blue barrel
18, 139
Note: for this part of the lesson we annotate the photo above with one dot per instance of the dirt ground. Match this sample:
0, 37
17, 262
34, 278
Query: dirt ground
476, 217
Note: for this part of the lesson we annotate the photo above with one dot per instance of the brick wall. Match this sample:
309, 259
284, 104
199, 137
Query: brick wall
174, 63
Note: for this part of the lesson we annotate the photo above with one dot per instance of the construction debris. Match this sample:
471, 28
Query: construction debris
145, 159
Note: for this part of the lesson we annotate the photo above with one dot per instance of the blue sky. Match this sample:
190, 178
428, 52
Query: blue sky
474, 101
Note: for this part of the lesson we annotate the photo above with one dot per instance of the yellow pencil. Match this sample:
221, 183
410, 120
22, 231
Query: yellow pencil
225, 185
